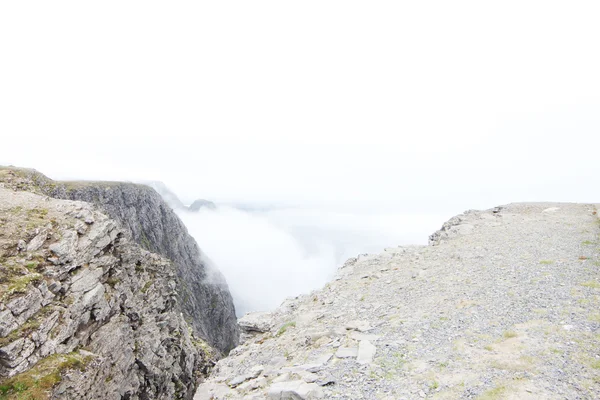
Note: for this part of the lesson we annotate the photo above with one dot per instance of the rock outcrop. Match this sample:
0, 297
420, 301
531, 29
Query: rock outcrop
85, 312
201, 203
503, 304
151, 222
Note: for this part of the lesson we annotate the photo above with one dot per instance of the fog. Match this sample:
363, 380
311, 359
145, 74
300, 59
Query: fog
269, 255
347, 126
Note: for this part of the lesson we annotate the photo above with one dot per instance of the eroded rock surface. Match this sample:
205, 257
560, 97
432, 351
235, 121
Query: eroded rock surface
84, 310
141, 212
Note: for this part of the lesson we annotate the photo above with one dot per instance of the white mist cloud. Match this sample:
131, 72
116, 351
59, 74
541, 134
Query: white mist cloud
267, 256
335, 106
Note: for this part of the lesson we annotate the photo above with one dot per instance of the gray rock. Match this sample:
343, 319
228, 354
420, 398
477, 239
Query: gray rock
201, 289
38, 241
95, 295
25, 306
86, 279
201, 203
294, 390
361, 326
253, 373
346, 352
8, 323
366, 352
257, 322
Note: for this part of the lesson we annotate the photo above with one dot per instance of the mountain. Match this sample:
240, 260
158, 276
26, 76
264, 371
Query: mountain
101, 279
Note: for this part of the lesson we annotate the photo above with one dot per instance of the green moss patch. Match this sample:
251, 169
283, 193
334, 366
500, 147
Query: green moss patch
37, 383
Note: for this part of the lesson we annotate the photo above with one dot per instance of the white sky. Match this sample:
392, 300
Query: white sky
400, 105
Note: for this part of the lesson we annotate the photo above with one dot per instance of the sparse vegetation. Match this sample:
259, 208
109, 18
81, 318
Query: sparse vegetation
594, 317
496, 393
591, 284
546, 262
510, 334
146, 286
112, 281
31, 325
18, 285
284, 327
37, 383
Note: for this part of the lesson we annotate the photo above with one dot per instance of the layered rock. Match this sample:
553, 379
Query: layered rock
85, 312
151, 222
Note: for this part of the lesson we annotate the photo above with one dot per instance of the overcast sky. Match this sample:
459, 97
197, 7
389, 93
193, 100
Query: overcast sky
399, 105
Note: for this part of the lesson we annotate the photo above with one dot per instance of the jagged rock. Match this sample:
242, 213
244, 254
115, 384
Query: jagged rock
8, 323
65, 249
96, 288
26, 305
21, 245
201, 289
86, 279
38, 241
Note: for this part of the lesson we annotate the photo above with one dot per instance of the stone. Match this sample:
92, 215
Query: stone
38, 241
366, 352
257, 322
21, 245
361, 326
325, 380
8, 323
25, 306
253, 373
65, 249
346, 352
294, 390
86, 279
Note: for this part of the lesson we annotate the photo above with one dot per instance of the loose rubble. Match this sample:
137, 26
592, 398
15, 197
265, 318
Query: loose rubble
502, 304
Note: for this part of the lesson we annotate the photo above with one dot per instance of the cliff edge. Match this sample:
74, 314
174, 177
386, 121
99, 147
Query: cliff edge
85, 312
151, 222
503, 304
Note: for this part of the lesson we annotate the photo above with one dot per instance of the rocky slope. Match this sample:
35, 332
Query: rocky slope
149, 221
503, 304
84, 311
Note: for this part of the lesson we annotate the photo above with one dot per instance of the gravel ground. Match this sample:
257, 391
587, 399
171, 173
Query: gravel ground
503, 304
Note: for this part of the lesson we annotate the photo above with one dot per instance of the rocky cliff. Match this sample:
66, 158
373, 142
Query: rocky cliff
86, 310
151, 222
503, 304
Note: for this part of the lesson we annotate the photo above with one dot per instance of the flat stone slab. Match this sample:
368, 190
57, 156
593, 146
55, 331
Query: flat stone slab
366, 352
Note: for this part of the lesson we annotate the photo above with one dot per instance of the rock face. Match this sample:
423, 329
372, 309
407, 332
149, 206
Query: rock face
503, 304
201, 203
151, 222
85, 312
